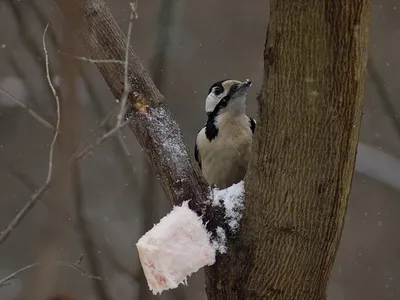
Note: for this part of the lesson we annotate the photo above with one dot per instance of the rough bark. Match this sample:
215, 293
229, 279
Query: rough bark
299, 180
151, 121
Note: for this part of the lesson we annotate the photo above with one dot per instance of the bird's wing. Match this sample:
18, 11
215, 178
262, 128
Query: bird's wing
252, 124
197, 155
196, 151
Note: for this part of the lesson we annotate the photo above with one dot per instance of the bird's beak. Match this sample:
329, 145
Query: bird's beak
243, 87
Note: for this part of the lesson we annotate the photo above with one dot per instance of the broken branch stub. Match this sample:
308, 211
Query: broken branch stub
151, 121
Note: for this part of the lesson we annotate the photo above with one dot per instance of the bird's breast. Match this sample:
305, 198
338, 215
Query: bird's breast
225, 158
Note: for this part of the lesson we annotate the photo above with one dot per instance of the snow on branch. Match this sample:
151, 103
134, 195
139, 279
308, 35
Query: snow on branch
180, 244
151, 121
232, 201
172, 141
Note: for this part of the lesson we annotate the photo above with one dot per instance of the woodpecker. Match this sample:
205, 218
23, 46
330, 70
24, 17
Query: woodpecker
223, 145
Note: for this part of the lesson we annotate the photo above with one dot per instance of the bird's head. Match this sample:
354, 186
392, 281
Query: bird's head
227, 95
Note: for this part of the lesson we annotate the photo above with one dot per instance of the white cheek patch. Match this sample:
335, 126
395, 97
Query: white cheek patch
212, 101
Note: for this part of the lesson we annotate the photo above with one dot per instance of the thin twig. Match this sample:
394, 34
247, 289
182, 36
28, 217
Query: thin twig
94, 262
23, 178
124, 98
77, 156
6, 280
23, 25
17, 219
124, 146
80, 259
87, 150
101, 36
127, 88
134, 8
93, 61
53, 142
148, 197
36, 196
126, 158
108, 116
120, 136
30, 110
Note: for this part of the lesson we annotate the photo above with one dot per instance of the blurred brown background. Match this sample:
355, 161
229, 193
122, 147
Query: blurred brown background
120, 198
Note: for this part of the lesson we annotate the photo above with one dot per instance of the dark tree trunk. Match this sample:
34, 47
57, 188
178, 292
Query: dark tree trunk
299, 180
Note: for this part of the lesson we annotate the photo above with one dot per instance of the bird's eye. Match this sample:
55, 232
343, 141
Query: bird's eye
217, 90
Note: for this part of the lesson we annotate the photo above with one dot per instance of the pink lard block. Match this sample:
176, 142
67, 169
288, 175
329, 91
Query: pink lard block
173, 249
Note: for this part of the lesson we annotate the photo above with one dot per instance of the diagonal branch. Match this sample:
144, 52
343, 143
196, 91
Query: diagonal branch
30, 110
38, 195
151, 121
93, 61
6, 280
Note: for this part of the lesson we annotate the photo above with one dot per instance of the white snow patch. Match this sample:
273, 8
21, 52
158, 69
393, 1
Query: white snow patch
232, 199
166, 128
219, 243
173, 249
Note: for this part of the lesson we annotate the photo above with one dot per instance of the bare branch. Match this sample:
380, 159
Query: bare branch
23, 25
127, 88
22, 177
151, 121
93, 61
53, 142
30, 110
78, 262
21, 214
125, 62
148, 197
134, 8
87, 150
94, 262
36, 196
17, 219
108, 116
6, 280
77, 156
124, 146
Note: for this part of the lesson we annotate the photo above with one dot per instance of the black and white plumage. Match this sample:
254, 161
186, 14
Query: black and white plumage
223, 145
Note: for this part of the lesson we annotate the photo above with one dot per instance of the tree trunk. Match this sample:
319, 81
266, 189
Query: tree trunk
299, 179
